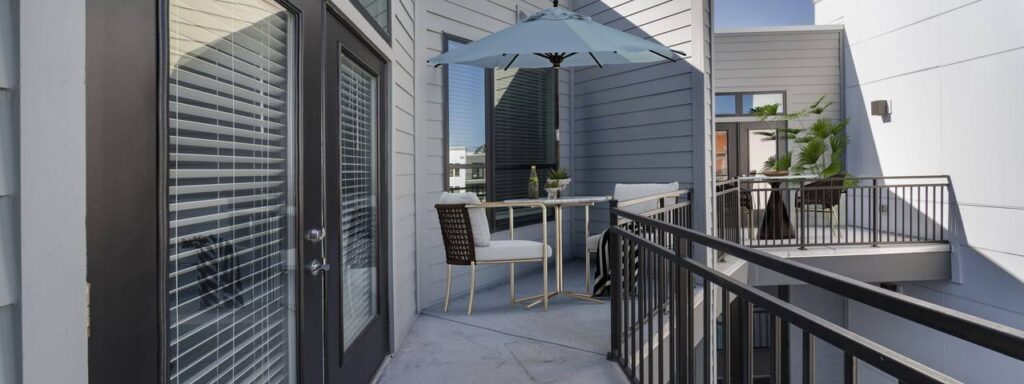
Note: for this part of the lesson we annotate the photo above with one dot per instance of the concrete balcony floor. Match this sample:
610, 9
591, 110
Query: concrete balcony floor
504, 343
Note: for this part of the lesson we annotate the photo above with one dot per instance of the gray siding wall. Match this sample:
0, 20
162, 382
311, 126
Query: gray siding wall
469, 19
10, 350
642, 123
803, 62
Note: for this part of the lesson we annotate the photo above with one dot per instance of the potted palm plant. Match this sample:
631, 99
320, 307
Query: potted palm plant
822, 145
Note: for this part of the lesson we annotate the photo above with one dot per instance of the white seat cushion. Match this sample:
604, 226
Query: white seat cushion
593, 242
477, 216
625, 192
509, 250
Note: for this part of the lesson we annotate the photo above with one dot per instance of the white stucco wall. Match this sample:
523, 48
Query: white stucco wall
52, 141
952, 72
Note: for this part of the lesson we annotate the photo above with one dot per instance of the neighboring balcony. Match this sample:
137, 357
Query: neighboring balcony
873, 229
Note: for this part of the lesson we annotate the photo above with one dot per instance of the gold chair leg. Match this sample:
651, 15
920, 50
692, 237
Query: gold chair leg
448, 290
545, 298
472, 287
512, 283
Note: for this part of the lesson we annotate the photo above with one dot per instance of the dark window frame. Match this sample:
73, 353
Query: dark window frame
739, 102
496, 225
385, 32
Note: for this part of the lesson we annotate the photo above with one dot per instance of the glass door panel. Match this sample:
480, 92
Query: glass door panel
358, 178
759, 150
231, 193
722, 154
356, 314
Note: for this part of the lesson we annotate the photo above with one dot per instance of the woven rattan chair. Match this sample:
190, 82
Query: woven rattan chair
460, 249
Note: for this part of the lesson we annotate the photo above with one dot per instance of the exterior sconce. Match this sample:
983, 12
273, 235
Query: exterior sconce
880, 108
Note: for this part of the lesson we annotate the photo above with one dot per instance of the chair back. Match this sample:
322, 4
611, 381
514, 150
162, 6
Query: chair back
826, 192
457, 233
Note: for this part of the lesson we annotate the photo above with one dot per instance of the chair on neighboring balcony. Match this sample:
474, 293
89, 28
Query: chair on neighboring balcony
824, 196
467, 241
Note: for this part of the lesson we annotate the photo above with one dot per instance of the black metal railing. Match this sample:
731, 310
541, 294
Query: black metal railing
663, 329
801, 212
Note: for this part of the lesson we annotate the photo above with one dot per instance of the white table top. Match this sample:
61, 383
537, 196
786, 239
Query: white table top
567, 200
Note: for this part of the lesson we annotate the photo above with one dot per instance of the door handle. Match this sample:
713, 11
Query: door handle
316, 235
318, 266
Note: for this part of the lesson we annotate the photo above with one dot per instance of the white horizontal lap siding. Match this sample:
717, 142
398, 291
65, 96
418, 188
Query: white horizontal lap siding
469, 19
637, 123
805, 63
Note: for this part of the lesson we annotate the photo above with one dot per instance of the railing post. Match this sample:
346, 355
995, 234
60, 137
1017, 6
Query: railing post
739, 213
875, 213
801, 219
615, 260
783, 340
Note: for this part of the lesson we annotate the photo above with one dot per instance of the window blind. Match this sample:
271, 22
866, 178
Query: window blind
523, 130
358, 115
230, 249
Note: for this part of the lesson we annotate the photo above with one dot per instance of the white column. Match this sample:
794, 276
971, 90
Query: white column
52, 113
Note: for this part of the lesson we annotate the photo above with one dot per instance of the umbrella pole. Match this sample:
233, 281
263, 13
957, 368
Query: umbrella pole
558, 121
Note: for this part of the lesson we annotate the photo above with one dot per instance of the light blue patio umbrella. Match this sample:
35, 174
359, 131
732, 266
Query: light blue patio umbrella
556, 38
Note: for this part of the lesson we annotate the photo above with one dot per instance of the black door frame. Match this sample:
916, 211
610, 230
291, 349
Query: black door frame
126, 88
374, 343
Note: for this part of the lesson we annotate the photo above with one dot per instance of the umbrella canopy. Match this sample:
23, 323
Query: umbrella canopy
556, 37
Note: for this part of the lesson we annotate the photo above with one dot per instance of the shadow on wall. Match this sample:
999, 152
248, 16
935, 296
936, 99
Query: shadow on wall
985, 284
636, 123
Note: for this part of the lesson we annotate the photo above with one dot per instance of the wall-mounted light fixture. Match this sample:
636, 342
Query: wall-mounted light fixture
880, 108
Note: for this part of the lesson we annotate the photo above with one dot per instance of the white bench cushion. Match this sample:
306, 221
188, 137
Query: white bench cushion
477, 216
507, 250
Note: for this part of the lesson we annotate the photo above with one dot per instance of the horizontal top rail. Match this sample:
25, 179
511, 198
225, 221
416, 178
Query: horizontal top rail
665, 195
913, 177
994, 336
859, 346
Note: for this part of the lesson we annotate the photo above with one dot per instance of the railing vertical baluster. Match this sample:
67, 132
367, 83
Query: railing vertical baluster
659, 293
645, 313
875, 210
739, 213
801, 216
673, 319
747, 310
775, 340
709, 340
808, 356
942, 215
615, 260
686, 323
727, 338
784, 350
641, 319
633, 287
850, 374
